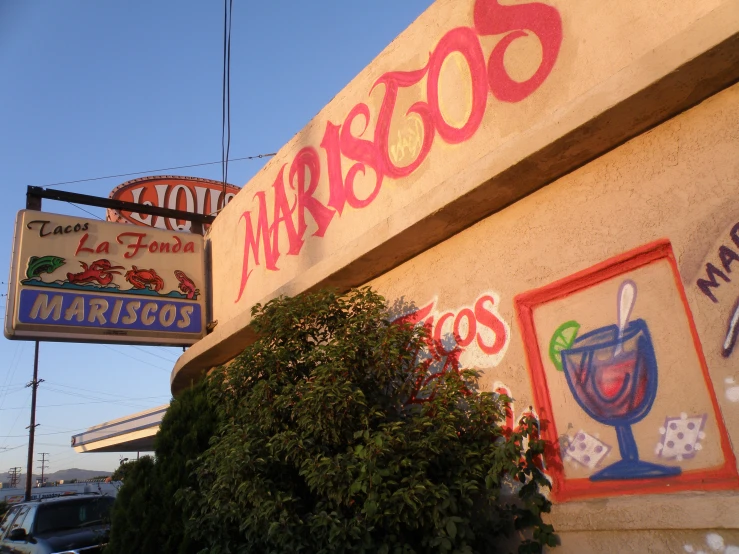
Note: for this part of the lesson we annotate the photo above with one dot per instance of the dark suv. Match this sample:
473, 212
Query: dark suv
62, 525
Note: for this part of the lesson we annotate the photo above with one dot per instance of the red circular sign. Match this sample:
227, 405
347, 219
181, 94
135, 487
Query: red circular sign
189, 194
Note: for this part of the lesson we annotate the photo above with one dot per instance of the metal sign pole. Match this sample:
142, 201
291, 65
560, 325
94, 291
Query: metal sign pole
32, 203
35, 194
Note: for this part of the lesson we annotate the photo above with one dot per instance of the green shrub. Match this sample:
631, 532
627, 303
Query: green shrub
137, 510
319, 450
122, 470
146, 519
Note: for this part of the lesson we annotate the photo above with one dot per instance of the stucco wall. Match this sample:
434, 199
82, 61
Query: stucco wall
505, 215
586, 49
474, 106
676, 183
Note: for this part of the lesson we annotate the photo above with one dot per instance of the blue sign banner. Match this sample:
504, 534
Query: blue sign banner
49, 307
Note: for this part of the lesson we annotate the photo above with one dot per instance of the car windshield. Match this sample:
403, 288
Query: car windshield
73, 514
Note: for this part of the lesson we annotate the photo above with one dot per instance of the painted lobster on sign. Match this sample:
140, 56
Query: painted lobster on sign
187, 285
144, 278
99, 270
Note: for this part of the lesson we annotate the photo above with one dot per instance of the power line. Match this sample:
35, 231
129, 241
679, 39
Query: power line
13, 390
105, 393
124, 401
135, 358
226, 103
10, 374
18, 415
166, 348
79, 404
8, 449
152, 354
54, 427
258, 156
62, 460
42, 434
84, 210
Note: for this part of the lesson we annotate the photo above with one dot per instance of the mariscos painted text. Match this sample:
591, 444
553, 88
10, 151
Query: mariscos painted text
286, 216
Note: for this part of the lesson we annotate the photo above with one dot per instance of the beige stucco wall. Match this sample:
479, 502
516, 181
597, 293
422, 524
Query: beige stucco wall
597, 43
620, 68
535, 219
679, 182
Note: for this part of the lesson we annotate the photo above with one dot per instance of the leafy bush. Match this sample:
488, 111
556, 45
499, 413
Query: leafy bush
145, 517
122, 470
137, 510
320, 450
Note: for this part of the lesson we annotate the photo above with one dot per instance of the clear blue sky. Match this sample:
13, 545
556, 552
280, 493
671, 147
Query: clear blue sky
89, 89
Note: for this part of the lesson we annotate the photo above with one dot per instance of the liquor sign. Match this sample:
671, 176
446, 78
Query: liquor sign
187, 194
86, 280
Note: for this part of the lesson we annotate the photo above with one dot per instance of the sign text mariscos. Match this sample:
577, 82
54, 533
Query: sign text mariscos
286, 216
74, 279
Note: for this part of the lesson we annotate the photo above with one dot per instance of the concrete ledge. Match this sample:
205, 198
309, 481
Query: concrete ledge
651, 541
690, 510
686, 69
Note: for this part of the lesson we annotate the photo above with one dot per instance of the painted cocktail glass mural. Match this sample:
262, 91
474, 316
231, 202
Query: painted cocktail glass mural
620, 382
612, 373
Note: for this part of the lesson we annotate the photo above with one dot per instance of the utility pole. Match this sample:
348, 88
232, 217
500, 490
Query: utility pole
43, 465
14, 473
32, 428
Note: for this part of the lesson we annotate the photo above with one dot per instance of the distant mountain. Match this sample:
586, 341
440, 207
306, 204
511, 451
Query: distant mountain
72, 473
63, 474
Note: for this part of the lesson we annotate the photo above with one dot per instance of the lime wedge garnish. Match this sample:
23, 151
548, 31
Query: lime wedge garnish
562, 339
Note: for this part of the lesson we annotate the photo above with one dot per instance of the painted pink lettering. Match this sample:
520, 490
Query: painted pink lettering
252, 239
283, 214
490, 18
308, 159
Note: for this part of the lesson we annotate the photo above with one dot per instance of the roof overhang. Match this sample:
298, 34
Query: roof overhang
133, 433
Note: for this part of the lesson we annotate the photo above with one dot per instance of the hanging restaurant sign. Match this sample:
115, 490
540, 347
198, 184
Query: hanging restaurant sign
187, 194
86, 280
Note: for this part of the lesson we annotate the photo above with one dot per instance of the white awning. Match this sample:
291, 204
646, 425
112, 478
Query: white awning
133, 433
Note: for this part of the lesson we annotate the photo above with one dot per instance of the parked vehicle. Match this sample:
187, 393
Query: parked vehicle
62, 525
13, 496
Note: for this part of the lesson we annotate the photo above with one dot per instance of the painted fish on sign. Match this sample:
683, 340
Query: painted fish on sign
188, 194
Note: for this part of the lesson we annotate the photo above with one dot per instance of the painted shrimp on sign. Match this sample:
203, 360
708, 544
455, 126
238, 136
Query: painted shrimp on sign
187, 194
85, 280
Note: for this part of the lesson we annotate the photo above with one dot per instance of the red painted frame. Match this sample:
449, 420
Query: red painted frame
563, 489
